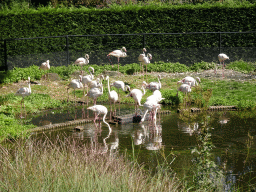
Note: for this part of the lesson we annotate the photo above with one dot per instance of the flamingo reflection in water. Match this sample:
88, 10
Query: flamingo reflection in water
189, 128
153, 136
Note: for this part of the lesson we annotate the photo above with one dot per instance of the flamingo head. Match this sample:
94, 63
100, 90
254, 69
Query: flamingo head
149, 56
93, 108
123, 48
107, 77
91, 69
144, 50
86, 56
128, 88
199, 80
144, 83
159, 76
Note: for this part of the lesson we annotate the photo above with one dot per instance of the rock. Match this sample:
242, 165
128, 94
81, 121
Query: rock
79, 128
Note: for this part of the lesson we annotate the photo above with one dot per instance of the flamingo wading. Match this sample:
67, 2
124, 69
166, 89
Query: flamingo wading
100, 110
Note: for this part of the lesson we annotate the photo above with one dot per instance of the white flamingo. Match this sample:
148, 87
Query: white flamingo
82, 61
153, 85
146, 61
100, 110
151, 106
45, 66
75, 84
118, 54
190, 80
112, 95
140, 58
157, 96
222, 57
23, 92
87, 79
97, 82
94, 93
185, 88
137, 95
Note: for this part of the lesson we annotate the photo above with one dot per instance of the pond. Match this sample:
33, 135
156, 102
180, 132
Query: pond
171, 139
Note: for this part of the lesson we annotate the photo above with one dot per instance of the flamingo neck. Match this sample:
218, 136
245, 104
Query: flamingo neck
103, 119
108, 87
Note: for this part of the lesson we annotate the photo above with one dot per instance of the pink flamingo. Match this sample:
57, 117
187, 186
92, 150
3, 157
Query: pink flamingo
82, 61
222, 57
118, 54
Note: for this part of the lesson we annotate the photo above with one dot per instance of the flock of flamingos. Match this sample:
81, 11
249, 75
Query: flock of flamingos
152, 103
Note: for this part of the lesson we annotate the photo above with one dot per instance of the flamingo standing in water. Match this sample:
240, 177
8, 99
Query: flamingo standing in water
45, 66
146, 61
222, 57
141, 56
113, 97
118, 54
23, 92
137, 95
100, 110
82, 61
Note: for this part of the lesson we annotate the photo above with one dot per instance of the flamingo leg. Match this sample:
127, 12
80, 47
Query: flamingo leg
118, 63
68, 96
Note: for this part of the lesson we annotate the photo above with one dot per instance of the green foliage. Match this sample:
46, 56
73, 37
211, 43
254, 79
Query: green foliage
207, 174
11, 128
242, 66
121, 19
170, 97
247, 105
202, 66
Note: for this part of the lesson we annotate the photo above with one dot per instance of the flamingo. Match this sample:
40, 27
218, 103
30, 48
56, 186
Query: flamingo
146, 61
96, 83
45, 66
75, 84
112, 95
23, 92
140, 58
185, 88
137, 95
190, 80
222, 57
94, 93
100, 110
153, 85
119, 85
82, 61
151, 106
87, 79
118, 54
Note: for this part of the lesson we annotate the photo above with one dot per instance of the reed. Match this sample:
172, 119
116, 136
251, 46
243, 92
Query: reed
72, 166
